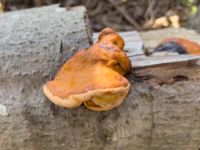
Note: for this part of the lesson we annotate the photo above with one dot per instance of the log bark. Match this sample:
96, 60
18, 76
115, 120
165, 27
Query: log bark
31, 50
38, 40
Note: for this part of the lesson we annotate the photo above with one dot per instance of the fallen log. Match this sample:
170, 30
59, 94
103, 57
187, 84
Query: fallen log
31, 51
39, 40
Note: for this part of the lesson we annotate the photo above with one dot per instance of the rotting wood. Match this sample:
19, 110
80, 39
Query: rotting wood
151, 61
152, 38
166, 67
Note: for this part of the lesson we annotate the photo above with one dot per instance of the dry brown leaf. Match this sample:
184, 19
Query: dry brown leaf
161, 22
174, 21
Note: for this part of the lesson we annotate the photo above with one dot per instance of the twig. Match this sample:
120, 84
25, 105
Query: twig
124, 14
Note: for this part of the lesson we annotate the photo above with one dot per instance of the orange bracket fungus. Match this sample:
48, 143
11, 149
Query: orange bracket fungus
179, 45
93, 76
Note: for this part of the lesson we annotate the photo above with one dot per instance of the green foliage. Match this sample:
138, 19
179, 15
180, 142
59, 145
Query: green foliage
191, 5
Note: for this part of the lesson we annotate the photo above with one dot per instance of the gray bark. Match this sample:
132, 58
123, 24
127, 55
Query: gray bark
33, 47
38, 40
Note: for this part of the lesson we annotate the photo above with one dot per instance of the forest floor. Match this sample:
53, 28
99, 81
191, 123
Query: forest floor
131, 15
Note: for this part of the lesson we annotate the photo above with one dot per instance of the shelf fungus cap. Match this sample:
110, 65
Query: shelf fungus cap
94, 77
178, 45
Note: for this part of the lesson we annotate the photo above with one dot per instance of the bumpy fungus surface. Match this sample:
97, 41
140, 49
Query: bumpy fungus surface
94, 76
179, 45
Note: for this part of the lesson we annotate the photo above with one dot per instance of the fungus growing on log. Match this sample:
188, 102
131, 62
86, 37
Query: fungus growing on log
178, 45
94, 76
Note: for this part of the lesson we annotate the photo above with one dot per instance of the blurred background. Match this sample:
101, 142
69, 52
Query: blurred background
123, 15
